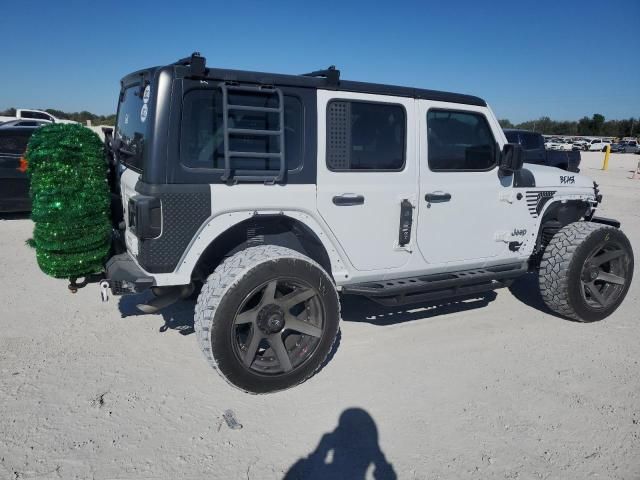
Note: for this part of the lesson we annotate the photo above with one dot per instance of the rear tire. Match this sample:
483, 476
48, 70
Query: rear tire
267, 318
586, 271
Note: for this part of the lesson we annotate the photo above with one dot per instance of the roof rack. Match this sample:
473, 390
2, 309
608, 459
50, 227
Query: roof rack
331, 74
197, 63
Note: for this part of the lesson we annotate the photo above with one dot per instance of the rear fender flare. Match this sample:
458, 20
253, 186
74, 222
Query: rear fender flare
216, 226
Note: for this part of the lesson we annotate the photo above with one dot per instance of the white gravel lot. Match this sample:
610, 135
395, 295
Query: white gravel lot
496, 388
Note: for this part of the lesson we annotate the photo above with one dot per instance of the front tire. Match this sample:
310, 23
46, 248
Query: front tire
267, 318
586, 271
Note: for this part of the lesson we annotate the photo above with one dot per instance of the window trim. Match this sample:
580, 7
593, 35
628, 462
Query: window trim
212, 170
457, 110
365, 170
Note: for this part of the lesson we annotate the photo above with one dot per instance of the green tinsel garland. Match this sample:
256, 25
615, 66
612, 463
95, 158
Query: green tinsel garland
70, 200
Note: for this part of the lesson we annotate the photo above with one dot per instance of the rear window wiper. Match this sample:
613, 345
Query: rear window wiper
125, 151
115, 145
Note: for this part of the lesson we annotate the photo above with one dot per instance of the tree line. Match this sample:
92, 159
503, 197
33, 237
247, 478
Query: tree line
80, 117
595, 126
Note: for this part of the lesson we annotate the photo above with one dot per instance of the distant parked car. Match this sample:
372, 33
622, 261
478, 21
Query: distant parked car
552, 143
581, 143
535, 152
14, 183
630, 146
28, 114
24, 123
598, 145
616, 146
567, 145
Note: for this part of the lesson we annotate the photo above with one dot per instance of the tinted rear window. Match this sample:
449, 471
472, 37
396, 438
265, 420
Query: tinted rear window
38, 115
531, 141
131, 127
512, 137
365, 136
14, 143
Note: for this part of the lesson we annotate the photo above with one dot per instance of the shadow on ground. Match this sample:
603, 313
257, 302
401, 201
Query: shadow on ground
527, 291
178, 317
15, 215
348, 452
361, 309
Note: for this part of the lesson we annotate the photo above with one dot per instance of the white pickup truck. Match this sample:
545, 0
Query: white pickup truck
23, 113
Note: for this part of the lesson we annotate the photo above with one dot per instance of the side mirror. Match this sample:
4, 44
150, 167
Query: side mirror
512, 158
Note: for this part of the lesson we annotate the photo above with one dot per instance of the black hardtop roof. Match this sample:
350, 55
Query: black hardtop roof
183, 68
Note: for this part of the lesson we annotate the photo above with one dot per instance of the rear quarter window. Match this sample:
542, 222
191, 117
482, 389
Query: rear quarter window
202, 131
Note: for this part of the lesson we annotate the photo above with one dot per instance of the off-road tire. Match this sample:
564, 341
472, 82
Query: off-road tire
226, 288
561, 267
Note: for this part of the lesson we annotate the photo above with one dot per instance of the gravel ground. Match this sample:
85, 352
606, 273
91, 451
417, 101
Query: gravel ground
494, 388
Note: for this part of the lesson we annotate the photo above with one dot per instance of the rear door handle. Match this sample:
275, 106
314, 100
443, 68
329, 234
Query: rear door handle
347, 199
437, 197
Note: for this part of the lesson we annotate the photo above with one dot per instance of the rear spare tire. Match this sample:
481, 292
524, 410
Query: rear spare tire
267, 318
586, 271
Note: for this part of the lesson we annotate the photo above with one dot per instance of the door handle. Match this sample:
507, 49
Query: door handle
347, 199
437, 197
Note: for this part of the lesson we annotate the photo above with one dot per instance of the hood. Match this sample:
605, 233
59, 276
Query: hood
555, 177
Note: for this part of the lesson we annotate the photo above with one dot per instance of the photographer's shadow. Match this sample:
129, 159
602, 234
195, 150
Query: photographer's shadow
348, 452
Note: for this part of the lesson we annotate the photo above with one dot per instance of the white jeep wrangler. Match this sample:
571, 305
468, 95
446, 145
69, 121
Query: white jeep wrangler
275, 194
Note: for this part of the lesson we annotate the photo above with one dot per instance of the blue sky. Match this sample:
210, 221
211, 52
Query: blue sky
564, 59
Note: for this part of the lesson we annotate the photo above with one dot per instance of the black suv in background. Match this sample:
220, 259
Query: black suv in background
14, 183
533, 144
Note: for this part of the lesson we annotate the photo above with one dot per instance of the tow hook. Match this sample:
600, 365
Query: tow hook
104, 290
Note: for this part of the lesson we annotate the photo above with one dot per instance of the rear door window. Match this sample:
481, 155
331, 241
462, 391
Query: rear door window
365, 136
36, 115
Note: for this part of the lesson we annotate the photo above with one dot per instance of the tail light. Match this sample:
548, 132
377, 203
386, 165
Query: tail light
145, 216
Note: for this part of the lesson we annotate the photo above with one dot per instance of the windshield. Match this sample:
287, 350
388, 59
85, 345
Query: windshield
131, 126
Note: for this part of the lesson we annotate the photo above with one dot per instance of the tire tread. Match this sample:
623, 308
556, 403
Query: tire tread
228, 274
555, 264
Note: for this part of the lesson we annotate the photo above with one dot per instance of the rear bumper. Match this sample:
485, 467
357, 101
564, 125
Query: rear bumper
125, 276
14, 195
